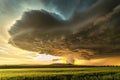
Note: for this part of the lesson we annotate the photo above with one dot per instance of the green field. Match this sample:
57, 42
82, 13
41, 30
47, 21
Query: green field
59, 73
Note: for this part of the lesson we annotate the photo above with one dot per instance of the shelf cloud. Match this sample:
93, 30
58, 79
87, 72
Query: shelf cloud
90, 31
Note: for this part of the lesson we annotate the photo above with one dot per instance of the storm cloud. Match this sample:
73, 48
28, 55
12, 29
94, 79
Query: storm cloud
90, 31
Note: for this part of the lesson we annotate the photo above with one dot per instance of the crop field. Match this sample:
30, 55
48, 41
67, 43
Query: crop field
59, 73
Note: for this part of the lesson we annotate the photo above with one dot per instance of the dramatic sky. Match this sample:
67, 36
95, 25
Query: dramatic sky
85, 32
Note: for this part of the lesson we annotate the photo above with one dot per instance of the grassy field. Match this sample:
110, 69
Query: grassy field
59, 73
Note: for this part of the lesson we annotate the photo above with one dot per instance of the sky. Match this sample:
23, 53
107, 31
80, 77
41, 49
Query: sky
84, 32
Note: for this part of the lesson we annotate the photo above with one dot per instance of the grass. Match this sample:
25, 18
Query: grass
59, 73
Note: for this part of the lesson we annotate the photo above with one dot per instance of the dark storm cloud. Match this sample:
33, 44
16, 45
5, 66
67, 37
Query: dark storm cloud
64, 7
40, 29
67, 7
92, 33
99, 33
